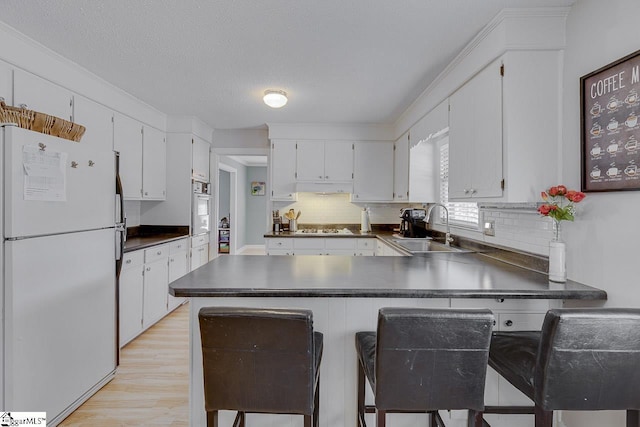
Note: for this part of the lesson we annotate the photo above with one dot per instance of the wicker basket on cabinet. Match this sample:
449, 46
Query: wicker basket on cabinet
41, 122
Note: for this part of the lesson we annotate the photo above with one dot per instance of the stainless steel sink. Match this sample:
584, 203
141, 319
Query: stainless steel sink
425, 245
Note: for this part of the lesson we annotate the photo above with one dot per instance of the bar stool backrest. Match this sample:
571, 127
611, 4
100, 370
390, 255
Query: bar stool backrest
257, 360
429, 359
589, 359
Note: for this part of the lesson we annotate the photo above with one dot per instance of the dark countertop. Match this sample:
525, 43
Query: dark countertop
331, 235
135, 243
142, 237
442, 275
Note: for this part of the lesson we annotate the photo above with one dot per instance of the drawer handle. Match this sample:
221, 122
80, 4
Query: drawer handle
159, 253
148, 268
508, 323
128, 261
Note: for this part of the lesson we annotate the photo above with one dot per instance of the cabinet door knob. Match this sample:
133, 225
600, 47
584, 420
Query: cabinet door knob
508, 323
466, 191
128, 261
320, 176
159, 253
326, 177
148, 268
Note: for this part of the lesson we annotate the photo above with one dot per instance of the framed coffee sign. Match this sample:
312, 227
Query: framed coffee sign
610, 126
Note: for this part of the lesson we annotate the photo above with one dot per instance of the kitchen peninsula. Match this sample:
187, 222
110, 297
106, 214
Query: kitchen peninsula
345, 293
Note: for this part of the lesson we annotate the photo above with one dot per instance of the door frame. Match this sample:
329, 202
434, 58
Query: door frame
215, 163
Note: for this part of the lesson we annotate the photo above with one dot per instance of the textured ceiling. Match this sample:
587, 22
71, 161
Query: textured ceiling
354, 61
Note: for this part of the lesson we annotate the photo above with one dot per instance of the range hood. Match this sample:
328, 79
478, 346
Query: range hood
324, 187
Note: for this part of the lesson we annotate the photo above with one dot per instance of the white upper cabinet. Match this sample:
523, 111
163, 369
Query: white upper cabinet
475, 137
373, 171
200, 163
425, 139
338, 161
324, 161
497, 152
401, 168
310, 160
154, 164
283, 170
127, 139
97, 119
42, 95
6, 83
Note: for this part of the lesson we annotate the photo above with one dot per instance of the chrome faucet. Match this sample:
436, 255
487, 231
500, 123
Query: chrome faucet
447, 237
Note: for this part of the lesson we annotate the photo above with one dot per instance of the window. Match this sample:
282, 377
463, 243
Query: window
460, 213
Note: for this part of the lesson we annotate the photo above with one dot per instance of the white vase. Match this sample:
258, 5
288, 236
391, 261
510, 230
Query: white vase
557, 261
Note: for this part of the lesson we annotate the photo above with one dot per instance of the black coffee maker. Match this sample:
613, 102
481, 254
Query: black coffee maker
412, 224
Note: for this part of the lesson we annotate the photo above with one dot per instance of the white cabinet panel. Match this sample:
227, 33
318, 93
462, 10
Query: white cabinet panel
131, 286
199, 256
156, 280
475, 137
154, 164
97, 119
401, 169
178, 267
42, 95
338, 161
283, 170
310, 161
200, 159
424, 167
127, 139
324, 161
373, 171
6, 83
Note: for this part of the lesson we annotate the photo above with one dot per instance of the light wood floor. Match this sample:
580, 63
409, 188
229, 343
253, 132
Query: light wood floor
151, 387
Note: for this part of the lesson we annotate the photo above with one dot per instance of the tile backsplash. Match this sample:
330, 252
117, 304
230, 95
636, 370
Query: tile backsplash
338, 209
524, 230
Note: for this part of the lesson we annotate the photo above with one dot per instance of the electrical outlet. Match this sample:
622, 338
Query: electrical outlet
489, 228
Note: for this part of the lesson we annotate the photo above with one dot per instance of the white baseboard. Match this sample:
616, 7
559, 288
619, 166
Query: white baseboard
249, 247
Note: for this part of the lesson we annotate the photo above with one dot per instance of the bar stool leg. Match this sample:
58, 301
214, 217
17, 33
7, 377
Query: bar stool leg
475, 418
361, 394
633, 418
543, 418
381, 418
316, 404
212, 419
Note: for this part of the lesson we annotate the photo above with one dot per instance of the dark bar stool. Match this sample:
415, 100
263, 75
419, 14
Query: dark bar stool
423, 360
582, 360
260, 361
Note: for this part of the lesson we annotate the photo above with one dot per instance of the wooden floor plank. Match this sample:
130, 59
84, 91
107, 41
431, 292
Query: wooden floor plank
151, 387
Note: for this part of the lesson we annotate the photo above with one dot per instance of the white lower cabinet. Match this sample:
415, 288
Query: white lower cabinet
199, 251
178, 267
279, 246
130, 296
144, 286
321, 246
156, 282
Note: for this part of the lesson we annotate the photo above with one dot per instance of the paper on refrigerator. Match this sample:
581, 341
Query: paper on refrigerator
44, 174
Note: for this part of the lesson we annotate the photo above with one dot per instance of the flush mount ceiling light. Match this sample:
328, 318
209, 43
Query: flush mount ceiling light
275, 98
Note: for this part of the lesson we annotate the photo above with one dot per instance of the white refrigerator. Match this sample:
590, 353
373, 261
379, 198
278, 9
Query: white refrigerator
59, 287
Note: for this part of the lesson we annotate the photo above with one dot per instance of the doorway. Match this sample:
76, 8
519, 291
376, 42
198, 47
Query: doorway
246, 178
226, 211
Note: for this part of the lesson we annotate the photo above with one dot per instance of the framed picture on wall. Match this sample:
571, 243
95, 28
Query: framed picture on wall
257, 188
610, 126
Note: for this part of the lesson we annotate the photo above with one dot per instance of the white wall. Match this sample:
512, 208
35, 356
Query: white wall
256, 207
602, 243
224, 196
